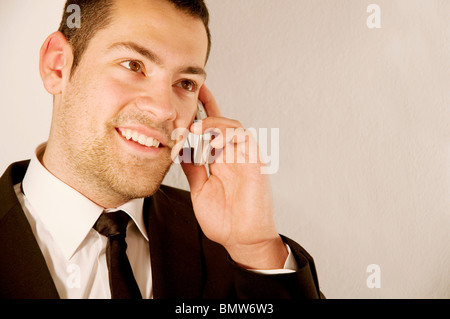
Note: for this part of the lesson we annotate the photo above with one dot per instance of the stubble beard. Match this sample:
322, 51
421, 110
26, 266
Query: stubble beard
99, 168
120, 175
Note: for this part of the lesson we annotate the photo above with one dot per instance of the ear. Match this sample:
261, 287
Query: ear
55, 62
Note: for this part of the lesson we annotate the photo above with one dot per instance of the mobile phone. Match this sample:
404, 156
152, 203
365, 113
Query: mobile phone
198, 144
201, 112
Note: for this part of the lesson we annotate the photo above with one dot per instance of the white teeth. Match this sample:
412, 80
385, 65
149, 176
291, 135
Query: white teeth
140, 138
148, 142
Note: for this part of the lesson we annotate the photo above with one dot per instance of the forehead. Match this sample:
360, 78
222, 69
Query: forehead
159, 25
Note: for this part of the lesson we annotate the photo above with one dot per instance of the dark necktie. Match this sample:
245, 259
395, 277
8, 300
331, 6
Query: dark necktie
121, 279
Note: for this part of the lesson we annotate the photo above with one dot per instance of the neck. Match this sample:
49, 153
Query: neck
53, 160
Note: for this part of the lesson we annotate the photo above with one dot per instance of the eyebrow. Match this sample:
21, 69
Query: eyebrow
153, 57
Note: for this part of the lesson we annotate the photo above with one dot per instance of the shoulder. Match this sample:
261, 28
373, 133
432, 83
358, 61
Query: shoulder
13, 175
175, 195
15, 172
170, 202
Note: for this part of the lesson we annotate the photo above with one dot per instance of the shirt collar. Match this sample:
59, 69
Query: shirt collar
67, 214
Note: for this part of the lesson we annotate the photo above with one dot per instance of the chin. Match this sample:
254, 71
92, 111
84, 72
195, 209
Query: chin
139, 185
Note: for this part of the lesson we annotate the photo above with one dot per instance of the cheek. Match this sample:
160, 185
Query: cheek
105, 100
185, 113
95, 99
113, 95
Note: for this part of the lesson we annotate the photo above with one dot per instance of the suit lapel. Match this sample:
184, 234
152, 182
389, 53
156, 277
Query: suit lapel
174, 245
174, 235
23, 270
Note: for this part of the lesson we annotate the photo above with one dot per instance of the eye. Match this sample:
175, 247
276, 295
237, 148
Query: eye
134, 66
188, 85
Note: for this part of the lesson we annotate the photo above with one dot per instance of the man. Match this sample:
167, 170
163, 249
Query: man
122, 83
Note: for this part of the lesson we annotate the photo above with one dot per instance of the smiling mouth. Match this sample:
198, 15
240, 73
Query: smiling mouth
140, 139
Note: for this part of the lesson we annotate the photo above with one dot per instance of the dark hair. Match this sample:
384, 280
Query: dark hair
97, 14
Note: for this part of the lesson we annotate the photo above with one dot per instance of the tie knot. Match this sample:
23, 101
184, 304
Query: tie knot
112, 224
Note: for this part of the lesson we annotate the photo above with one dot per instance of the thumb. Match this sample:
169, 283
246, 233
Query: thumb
196, 176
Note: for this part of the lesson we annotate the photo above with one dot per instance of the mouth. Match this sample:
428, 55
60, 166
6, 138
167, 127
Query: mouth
140, 140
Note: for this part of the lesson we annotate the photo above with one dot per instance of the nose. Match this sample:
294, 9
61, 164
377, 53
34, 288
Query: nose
157, 103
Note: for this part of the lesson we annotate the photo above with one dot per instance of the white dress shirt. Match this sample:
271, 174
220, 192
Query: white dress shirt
62, 219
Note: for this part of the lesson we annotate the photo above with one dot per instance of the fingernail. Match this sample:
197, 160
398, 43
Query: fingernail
217, 142
196, 127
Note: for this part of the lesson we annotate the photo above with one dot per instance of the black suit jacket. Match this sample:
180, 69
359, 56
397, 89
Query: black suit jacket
185, 264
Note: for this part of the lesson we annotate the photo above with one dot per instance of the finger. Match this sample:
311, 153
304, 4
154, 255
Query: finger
241, 135
196, 176
218, 135
214, 123
222, 138
209, 102
246, 146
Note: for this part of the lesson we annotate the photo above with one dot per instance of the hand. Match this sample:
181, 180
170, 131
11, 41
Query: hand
234, 204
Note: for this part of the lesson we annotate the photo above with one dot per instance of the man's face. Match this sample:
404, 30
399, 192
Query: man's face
138, 79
